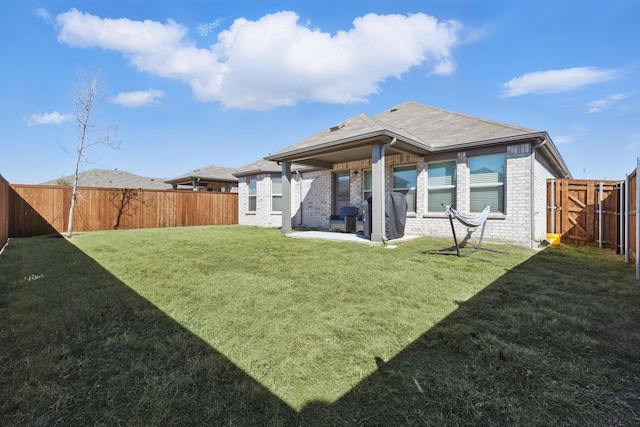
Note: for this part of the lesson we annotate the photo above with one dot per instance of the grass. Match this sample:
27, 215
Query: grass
242, 326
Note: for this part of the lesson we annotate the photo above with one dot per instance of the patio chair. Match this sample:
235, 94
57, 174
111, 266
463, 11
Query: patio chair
345, 221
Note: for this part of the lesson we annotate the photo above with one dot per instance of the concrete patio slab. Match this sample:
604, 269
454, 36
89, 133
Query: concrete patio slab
345, 237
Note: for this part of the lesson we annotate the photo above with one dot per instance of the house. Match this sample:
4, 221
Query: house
106, 178
260, 193
211, 178
430, 155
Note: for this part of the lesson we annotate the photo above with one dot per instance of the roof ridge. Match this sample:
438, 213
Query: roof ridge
467, 116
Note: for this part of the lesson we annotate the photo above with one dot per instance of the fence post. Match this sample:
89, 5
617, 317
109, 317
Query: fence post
626, 219
620, 217
600, 225
637, 219
553, 205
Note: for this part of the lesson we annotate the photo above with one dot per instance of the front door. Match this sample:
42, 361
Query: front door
341, 186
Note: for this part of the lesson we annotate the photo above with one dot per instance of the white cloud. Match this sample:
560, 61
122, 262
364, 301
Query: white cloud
557, 80
634, 141
43, 14
54, 118
275, 61
206, 29
605, 103
138, 98
577, 131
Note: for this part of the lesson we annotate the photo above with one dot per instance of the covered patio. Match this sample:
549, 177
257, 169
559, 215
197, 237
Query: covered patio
359, 138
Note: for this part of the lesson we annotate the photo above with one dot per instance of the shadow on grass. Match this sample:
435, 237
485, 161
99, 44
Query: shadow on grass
78, 347
538, 346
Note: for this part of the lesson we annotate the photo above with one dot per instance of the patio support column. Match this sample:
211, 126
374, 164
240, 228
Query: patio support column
286, 198
377, 190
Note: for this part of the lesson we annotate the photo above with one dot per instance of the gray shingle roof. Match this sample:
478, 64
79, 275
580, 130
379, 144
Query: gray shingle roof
415, 129
266, 166
106, 178
210, 173
429, 127
435, 127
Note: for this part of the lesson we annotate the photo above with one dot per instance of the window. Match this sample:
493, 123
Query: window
276, 194
441, 185
405, 179
368, 185
486, 183
252, 194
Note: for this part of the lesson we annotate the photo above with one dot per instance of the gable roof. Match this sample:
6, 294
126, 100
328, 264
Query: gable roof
436, 127
263, 166
418, 129
106, 178
210, 173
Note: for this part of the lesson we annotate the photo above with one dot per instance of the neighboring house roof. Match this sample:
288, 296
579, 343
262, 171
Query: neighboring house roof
208, 174
418, 129
106, 178
263, 166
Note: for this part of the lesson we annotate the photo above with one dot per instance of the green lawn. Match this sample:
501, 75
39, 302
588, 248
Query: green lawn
243, 326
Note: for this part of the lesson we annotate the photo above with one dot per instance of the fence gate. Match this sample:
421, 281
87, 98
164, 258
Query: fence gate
584, 212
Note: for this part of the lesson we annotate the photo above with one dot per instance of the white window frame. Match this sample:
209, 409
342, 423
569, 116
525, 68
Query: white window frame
410, 209
366, 193
252, 194
275, 194
451, 187
497, 185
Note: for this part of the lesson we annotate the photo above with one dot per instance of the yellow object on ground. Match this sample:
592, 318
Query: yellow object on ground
553, 238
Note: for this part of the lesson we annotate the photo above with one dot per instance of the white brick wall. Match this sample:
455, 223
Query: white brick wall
263, 216
311, 197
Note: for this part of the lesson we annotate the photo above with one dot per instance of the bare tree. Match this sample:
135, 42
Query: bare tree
87, 94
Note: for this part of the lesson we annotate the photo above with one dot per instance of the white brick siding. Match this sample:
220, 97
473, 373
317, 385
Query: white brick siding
312, 200
263, 216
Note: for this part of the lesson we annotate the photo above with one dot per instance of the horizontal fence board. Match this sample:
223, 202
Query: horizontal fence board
577, 211
36, 209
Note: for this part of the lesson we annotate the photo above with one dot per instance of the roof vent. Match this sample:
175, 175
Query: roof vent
393, 110
336, 127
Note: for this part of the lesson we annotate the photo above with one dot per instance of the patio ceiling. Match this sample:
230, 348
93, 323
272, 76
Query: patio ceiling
358, 149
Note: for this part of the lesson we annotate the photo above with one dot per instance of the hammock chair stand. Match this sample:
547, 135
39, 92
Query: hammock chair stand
472, 224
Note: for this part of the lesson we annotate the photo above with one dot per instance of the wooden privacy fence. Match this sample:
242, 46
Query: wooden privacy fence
584, 212
4, 211
602, 213
36, 209
632, 220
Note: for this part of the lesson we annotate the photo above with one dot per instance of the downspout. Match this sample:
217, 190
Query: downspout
300, 196
534, 147
383, 159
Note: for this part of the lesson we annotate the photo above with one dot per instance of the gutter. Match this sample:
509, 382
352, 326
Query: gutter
361, 139
356, 140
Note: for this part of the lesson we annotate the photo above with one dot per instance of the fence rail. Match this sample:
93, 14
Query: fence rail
584, 212
597, 213
36, 209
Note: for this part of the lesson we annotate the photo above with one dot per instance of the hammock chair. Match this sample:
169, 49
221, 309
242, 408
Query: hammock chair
472, 223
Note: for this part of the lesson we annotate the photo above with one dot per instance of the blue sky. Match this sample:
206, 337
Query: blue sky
198, 83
